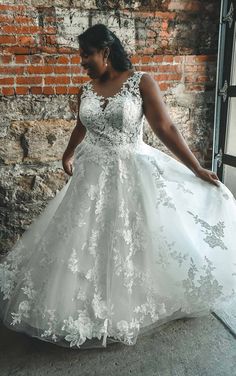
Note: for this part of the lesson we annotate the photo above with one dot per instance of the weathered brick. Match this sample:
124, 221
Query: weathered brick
37, 69
25, 40
8, 70
7, 81
40, 75
7, 39
57, 80
22, 90
21, 59
7, 91
29, 80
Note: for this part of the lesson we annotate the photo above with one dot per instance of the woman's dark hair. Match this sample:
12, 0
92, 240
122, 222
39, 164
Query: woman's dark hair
99, 36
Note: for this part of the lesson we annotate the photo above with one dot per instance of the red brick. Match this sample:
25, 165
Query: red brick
135, 59
24, 20
190, 59
201, 58
65, 50
189, 78
8, 70
202, 79
51, 39
157, 59
7, 39
168, 59
5, 18
72, 90
75, 69
167, 15
168, 77
78, 80
11, 29
6, 59
49, 30
48, 90
37, 69
166, 68
7, 81
169, 68
50, 60
48, 49
84, 79
21, 59
50, 80
61, 69
29, 80
36, 90
197, 78
63, 60
178, 59
75, 59
147, 14
13, 8
22, 90
193, 59
8, 91
48, 19
18, 50
25, 41
36, 59
61, 89
190, 68
164, 86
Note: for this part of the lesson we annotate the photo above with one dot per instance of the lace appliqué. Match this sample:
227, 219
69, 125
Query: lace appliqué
214, 233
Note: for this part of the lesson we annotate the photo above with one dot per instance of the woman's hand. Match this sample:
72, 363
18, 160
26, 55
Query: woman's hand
67, 161
207, 175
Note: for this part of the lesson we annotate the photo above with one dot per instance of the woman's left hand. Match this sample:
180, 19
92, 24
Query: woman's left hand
207, 175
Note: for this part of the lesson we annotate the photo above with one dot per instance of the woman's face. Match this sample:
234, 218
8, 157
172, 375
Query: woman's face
93, 62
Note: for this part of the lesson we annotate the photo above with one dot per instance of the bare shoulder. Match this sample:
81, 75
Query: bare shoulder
147, 83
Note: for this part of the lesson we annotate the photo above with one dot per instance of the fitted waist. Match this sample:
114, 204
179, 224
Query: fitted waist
113, 143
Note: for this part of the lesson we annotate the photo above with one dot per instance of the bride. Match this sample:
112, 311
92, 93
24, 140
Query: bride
136, 238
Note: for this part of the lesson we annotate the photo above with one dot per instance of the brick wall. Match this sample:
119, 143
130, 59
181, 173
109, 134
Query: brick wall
40, 73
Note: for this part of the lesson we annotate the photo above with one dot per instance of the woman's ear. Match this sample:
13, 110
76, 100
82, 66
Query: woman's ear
106, 52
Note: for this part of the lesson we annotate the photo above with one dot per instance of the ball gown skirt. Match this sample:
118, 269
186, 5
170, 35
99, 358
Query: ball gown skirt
133, 240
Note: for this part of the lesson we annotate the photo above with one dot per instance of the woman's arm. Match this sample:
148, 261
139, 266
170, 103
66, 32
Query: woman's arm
77, 134
159, 120
76, 137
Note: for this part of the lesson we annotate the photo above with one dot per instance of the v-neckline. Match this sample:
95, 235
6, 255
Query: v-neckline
111, 96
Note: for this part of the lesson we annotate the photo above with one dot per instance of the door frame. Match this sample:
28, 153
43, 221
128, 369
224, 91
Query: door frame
224, 90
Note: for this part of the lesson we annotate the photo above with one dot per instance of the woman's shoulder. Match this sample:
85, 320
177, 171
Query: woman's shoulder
146, 78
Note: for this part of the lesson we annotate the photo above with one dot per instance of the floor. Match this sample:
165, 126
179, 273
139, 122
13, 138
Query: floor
186, 347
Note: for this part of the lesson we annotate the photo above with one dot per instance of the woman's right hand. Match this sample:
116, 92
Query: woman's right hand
67, 160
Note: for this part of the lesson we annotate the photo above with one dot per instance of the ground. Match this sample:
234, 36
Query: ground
186, 347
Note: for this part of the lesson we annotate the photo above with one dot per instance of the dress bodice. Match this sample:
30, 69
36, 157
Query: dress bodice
116, 120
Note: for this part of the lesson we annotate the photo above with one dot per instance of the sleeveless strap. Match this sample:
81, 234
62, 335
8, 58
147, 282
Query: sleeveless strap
132, 85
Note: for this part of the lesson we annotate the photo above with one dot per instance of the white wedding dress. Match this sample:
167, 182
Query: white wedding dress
133, 240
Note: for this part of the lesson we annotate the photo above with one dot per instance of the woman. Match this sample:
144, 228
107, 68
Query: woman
136, 238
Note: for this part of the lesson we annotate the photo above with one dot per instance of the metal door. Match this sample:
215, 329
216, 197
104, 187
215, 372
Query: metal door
224, 143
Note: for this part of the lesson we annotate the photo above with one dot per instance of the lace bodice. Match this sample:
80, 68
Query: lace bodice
116, 120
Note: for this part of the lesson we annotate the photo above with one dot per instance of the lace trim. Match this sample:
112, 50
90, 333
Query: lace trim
131, 84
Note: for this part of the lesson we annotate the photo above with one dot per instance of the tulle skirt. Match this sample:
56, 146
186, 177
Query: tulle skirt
133, 240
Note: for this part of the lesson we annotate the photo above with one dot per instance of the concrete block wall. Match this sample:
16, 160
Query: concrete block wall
40, 74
